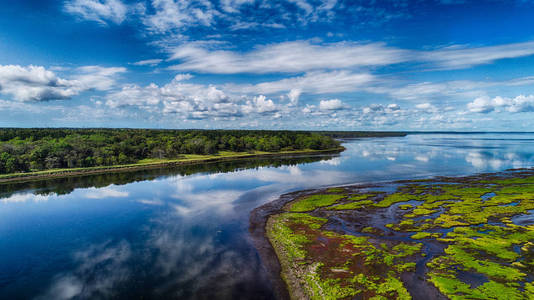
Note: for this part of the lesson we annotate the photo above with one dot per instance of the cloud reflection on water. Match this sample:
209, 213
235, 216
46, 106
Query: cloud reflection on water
100, 269
21, 198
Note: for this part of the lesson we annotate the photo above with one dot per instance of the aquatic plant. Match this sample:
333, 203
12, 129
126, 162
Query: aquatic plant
473, 219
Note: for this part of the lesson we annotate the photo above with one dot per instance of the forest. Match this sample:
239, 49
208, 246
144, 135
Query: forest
35, 149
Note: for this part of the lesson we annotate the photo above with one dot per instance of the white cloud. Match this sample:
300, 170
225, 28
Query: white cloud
303, 56
426, 107
294, 95
260, 104
233, 6
296, 56
311, 82
461, 57
517, 104
100, 11
170, 15
148, 62
134, 95
35, 83
333, 104
481, 105
97, 77
191, 101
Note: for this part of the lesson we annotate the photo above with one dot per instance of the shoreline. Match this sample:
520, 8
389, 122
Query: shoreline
259, 219
258, 231
52, 174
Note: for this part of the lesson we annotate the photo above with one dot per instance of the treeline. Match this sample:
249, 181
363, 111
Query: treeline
23, 150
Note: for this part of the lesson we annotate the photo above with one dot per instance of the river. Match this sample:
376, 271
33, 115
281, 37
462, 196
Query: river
182, 233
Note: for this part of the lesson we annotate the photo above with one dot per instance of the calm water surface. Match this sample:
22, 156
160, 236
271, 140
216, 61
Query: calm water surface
183, 233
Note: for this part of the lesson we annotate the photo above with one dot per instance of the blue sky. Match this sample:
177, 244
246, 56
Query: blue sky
292, 64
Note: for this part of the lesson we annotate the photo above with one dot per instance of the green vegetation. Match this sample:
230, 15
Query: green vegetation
487, 253
421, 235
26, 150
320, 264
312, 202
356, 202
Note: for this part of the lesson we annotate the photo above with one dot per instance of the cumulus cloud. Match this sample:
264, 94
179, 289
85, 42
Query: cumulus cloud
517, 104
426, 107
189, 100
332, 104
100, 11
134, 95
260, 104
294, 95
296, 56
35, 83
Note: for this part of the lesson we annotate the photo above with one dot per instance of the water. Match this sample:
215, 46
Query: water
183, 233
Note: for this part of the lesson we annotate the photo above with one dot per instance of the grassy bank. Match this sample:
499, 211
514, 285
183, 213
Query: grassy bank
186, 159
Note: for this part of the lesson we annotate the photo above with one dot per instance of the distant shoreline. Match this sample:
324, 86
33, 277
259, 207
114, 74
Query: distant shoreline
191, 160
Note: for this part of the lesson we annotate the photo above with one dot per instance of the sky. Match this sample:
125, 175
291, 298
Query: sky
268, 64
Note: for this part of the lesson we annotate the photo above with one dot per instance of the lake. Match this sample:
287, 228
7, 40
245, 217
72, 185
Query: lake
183, 232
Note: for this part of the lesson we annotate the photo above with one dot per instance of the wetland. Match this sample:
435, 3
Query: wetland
443, 238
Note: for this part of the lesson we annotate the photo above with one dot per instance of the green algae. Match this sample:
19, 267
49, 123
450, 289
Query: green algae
472, 218
424, 235
291, 240
347, 265
352, 205
456, 289
395, 198
314, 201
335, 190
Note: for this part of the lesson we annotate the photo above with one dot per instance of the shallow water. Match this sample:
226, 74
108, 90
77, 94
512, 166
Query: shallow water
183, 232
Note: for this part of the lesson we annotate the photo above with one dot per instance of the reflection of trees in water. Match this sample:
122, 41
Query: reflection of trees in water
63, 186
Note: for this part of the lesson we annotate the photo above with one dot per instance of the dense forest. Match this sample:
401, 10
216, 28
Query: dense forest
24, 150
